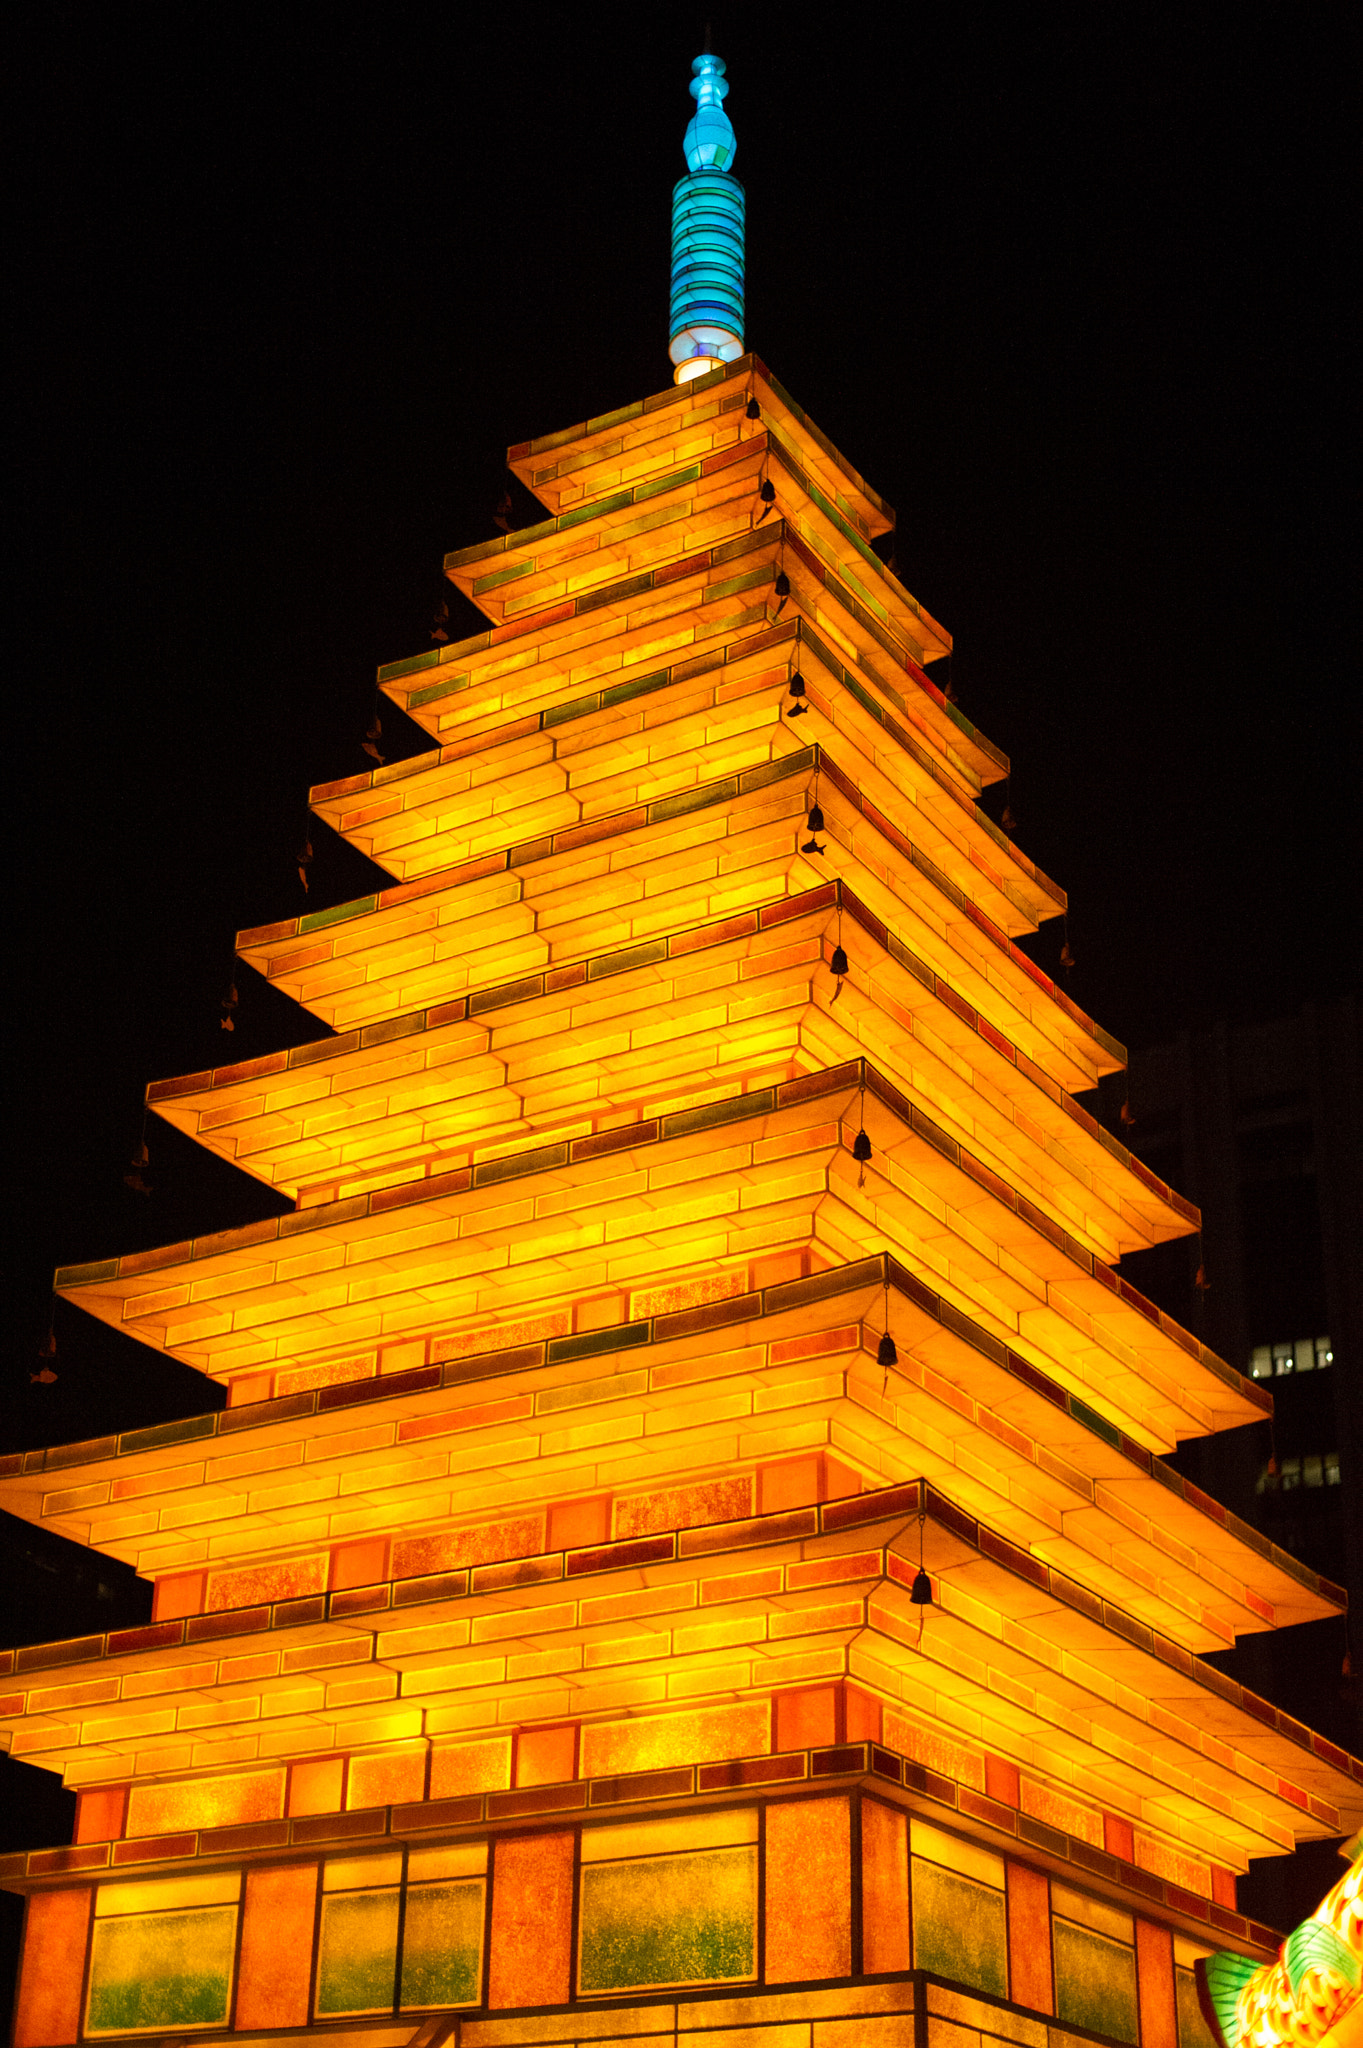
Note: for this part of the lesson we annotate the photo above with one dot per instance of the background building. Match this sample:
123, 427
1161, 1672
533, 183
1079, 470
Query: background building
1260, 1123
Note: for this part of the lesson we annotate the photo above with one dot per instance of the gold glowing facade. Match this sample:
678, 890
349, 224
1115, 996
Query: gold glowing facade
539, 1651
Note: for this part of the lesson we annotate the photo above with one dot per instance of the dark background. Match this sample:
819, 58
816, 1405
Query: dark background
1065, 282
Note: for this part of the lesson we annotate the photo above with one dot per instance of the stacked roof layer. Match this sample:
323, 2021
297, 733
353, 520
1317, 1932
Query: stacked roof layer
691, 1051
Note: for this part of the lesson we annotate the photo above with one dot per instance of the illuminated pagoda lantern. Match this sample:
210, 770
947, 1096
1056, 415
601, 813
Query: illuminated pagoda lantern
688, 1553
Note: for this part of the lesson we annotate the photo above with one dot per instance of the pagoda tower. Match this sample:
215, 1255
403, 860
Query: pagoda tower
688, 1554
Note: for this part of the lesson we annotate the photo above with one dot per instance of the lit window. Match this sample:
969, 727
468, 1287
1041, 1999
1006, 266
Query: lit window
1332, 1468
358, 1953
1312, 1473
1193, 2031
669, 1902
1093, 1945
959, 1914
163, 1954
1307, 1354
439, 1914
1291, 1474
442, 1926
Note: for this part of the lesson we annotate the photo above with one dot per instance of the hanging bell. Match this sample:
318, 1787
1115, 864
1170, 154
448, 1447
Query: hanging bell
766, 491
752, 410
861, 1148
782, 583
887, 1354
839, 962
1127, 1114
796, 685
1201, 1282
1066, 955
1008, 820
815, 819
920, 1592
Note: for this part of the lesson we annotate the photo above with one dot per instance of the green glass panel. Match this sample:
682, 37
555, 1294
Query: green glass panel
358, 1960
1193, 2031
662, 1920
960, 1928
1095, 1981
442, 1944
161, 1970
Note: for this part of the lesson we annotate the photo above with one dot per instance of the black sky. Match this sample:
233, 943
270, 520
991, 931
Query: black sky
1068, 283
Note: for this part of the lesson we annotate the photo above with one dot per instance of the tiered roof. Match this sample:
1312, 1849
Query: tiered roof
571, 1344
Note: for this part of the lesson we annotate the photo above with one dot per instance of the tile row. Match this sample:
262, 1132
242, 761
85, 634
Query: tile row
904, 1503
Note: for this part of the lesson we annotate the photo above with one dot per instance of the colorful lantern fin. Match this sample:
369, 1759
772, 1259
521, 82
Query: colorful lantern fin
1220, 1980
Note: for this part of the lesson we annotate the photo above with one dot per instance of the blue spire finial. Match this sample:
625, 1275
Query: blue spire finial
709, 143
707, 234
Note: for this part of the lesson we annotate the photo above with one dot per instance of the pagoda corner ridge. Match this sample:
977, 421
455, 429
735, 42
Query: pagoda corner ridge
689, 1548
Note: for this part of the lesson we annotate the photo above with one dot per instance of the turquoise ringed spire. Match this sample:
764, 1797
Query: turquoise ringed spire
707, 235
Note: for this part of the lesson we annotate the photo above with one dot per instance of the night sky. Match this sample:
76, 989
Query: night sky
1065, 282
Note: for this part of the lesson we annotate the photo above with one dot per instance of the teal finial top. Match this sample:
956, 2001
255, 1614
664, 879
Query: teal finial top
709, 143
705, 310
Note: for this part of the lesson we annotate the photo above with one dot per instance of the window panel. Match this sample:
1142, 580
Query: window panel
164, 1894
357, 1961
452, 1859
1193, 2031
361, 1873
972, 1859
662, 1920
1095, 1980
727, 1829
154, 1970
442, 1943
959, 1927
